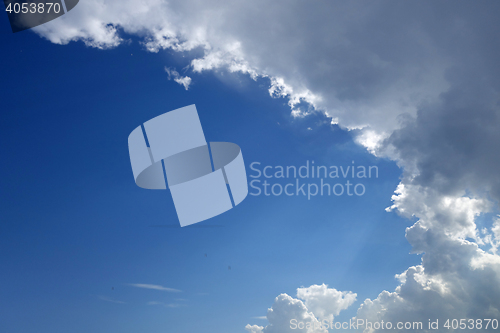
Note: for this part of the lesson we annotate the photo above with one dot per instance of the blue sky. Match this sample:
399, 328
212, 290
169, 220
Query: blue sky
77, 233
76, 225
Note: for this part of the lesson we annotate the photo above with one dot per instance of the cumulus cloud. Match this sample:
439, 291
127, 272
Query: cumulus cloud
449, 153
453, 215
455, 280
313, 307
418, 82
284, 310
325, 302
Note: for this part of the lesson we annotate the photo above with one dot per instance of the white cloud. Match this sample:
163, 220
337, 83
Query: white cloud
310, 52
167, 305
320, 305
325, 302
182, 80
284, 310
455, 280
454, 215
154, 287
492, 238
254, 328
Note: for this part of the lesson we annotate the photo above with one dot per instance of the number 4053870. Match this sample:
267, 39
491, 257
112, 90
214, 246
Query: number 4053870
33, 8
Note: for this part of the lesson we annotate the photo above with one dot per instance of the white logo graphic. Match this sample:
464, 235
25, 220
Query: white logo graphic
205, 180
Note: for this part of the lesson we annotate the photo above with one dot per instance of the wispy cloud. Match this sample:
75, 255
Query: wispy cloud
174, 305
260, 317
107, 299
182, 80
167, 305
154, 287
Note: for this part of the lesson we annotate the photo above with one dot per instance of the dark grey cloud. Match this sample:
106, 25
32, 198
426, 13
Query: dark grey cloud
453, 144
